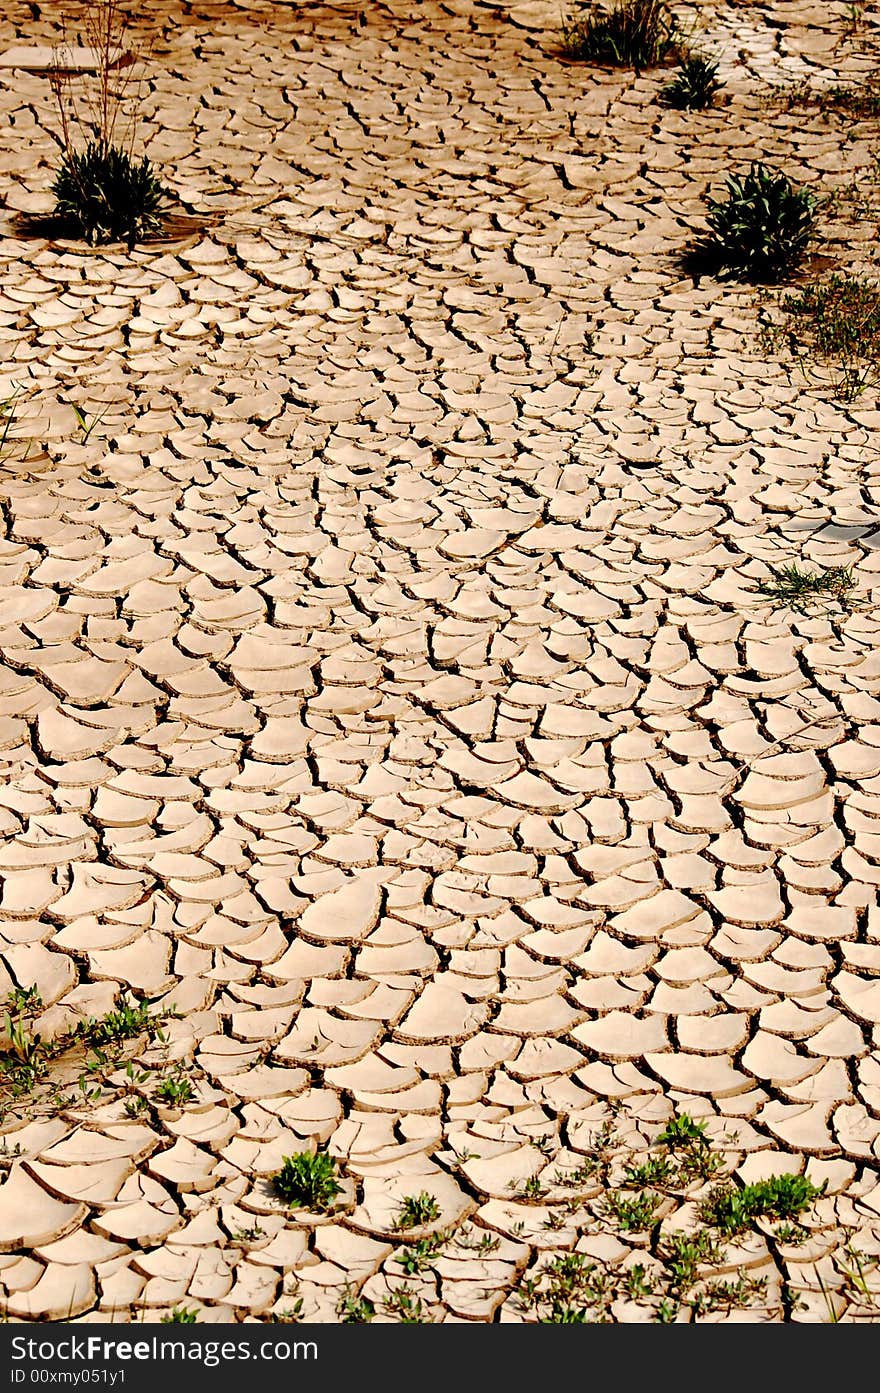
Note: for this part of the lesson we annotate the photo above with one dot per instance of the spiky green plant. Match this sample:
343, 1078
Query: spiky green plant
760, 231
694, 85
103, 194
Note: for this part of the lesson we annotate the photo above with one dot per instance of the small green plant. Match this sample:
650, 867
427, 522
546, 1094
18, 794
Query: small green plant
688, 1143
26, 1060
632, 1214
353, 1309
180, 1315
528, 1189
657, 1170
599, 1158
416, 1257
103, 194
729, 1295
683, 1133
486, 1243
731, 1209
685, 1253
631, 34
8, 414
855, 1271
176, 1089
24, 1001
694, 85
636, 1282
797, 588
416, 1210
8, 1153
292, 1314
760, 232
308, 1180
247, 1235
407, 1305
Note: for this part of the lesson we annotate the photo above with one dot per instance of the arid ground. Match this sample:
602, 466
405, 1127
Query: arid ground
388, 703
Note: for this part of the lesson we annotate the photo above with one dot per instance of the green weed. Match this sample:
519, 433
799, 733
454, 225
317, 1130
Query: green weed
416, 1210
308, 1180
799, 588
731, 1209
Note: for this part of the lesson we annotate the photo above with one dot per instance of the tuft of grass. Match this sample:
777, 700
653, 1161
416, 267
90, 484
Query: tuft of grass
731, 1209
760, 232
308, 1180
695, 84
416, 1210
103, 194
792, 586
631, 34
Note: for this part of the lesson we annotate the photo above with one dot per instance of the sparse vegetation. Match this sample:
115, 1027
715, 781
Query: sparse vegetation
407, 1306
308, 1180
632, 1214
694, 85
857, 102
631, 34
679, 1277
799, 588
760, 232
833, 325
8, 414
127, 1020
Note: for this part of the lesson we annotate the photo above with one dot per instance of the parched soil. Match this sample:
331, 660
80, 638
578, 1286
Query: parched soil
387, 694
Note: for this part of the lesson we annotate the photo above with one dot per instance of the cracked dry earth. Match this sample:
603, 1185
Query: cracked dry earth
384, 682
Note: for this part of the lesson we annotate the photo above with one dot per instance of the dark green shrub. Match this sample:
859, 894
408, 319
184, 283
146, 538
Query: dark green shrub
102, 194
759, 232
694, 86
632, 34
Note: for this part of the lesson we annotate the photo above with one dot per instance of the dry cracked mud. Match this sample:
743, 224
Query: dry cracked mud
385, 685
